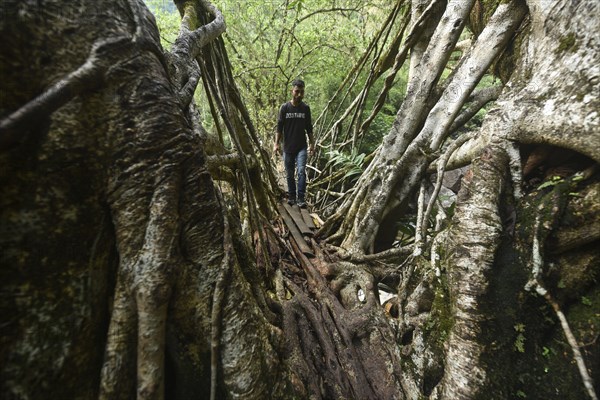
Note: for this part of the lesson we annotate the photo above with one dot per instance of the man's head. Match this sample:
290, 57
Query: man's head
298, 83
297, 91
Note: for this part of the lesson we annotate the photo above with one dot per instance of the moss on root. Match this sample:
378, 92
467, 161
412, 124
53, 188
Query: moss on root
542, 365
567, 43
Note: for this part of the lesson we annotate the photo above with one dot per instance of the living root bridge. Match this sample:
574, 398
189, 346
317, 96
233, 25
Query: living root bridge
338, 340
340, 344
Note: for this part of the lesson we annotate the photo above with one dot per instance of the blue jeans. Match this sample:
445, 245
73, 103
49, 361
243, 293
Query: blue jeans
295, 162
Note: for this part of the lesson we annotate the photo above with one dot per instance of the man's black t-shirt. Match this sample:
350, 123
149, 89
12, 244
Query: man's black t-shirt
294, 122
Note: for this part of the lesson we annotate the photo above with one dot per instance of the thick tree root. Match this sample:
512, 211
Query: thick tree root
217, 306
339, 340
476, 242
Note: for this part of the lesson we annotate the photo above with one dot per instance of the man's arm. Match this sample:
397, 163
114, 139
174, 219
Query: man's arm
311, 143
309, 131
276, 148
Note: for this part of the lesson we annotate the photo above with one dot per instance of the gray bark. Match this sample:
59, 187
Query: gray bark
125, 224
479, 262
419, 130
476, 240
125, 275
553, 98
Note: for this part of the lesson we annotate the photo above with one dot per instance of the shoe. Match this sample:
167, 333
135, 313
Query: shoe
291, 202
301, 204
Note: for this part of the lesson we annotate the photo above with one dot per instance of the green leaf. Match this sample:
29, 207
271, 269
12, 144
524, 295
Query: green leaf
545, 351
520, 343
546, 184
406, 229
578, 177
352, 172
586, 301
555, 180
297, 4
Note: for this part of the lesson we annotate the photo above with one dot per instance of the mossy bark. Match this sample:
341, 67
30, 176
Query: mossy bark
125, 274
109, 213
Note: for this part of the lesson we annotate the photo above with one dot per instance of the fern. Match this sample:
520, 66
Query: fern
352, 163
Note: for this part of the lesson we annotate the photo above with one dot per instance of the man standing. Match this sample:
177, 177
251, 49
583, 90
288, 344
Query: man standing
293, 124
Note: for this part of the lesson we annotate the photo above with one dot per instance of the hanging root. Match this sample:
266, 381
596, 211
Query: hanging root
537, 264
421, 229
441, 168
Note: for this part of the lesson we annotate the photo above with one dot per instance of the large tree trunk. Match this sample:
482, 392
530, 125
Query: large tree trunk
124, 274
493, 333
109, 214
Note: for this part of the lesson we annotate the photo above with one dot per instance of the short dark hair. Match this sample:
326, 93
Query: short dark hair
298, 82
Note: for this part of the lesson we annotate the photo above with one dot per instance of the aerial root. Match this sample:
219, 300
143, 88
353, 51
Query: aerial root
537, 264
217, 306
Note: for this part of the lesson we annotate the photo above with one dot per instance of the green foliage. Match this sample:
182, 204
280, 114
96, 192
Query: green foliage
352, 163
167, 20
586, 301
546, 352
555, 180
383, 121
519, 344
407, 228
271, 43
296, 4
